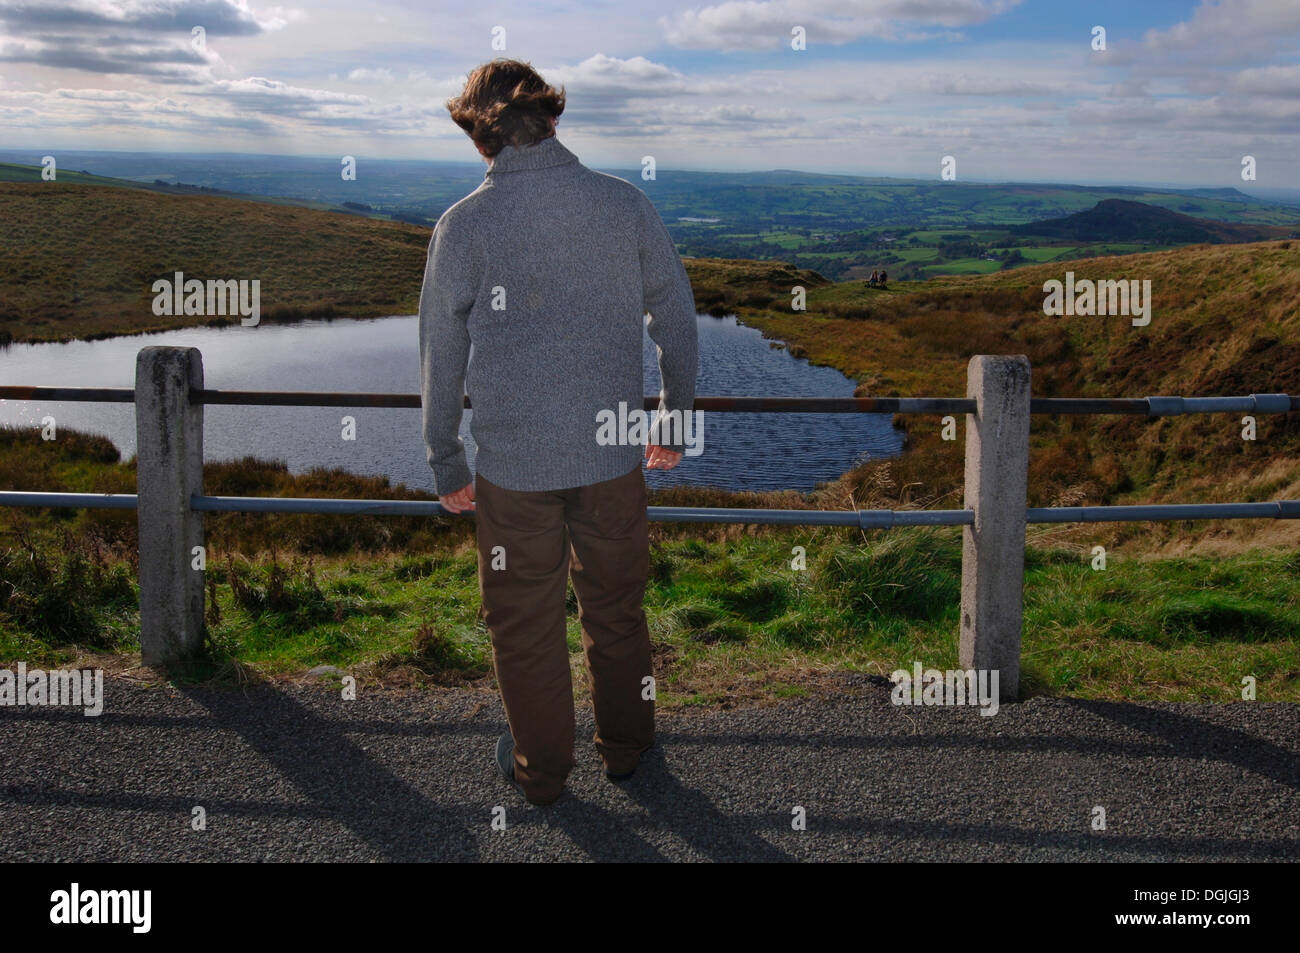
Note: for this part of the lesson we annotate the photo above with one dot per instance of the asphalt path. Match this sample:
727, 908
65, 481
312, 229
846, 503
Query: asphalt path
297, 773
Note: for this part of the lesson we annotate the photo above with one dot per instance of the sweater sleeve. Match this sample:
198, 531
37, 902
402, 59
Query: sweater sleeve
667, 296
446, 299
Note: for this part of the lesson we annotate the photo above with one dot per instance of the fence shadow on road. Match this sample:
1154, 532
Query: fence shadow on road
669, 803
317, 757
1189, 736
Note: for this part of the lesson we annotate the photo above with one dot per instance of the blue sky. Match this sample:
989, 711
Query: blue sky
1012, 90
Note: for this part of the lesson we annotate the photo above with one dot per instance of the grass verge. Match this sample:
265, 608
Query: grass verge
731, 620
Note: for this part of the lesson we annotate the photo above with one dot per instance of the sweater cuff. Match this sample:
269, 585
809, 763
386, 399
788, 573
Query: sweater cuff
666, 433
452, 475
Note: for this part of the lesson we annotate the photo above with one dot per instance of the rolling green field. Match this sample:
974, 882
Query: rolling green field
861, 224
905, 254
962, 266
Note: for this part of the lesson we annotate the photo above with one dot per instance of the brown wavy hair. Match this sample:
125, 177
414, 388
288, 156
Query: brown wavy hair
506, 103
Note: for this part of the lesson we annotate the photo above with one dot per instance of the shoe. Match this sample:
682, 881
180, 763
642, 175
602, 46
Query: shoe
616, 776
505, 759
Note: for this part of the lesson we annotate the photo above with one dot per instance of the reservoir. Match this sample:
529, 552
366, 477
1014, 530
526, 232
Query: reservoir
742, 451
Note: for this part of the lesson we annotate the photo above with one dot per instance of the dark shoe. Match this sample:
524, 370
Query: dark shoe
617, 776
505, 758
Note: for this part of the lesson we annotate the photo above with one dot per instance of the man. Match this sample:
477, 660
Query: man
548, 269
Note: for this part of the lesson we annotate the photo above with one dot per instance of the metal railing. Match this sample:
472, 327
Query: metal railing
169, 396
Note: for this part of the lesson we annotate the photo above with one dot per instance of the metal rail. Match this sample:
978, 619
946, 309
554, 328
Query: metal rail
1140, 406
863, 519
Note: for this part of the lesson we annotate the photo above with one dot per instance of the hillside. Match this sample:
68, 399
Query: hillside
79, 259
1225, 321
841, 226
1120, 220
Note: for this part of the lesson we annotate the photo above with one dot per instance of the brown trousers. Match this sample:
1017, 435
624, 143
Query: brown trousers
528, 545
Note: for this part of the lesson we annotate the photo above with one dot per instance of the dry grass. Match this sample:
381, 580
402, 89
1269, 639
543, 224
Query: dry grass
80, 260
1225, 321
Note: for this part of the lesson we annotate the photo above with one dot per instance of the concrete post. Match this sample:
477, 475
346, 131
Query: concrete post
993, 550
169, 468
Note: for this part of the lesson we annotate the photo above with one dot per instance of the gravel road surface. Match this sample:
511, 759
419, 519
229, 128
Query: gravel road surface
296, 773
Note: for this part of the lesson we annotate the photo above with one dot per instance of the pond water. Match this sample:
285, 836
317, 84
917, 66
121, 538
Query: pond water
742, 450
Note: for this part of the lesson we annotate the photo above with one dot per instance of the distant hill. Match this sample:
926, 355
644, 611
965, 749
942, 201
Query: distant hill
78, 259
744, 202
16, 172
1121, 220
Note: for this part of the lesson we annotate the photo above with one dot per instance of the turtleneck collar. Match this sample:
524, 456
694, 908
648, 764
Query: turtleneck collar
540, 155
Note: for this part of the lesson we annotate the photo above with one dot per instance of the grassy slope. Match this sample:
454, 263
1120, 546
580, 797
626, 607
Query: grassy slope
13, 172
1225, 321
79, 260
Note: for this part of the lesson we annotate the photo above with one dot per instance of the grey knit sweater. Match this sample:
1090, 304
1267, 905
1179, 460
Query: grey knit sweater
548, 269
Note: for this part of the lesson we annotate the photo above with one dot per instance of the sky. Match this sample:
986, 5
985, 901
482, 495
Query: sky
1013, 90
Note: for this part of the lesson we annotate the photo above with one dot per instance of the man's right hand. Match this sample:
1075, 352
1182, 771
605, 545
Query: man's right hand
660, 458
461, 501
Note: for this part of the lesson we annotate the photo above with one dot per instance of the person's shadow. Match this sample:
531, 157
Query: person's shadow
683, 811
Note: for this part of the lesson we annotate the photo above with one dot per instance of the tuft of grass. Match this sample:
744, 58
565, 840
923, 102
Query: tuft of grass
436, 652
896, 576
70, 594
289, 593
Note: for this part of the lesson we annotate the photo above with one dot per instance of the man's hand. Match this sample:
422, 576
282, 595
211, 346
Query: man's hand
657, 458
461, 501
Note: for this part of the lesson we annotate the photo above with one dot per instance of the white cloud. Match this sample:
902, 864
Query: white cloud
259, 89
1280, 81
1228, 32
217, 17
767, 24
147, 38
963, 84
365, 75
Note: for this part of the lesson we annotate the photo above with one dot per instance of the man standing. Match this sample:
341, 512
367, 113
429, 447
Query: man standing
548, 269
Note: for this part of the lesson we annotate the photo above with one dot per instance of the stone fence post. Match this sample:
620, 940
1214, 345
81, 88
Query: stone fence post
993, 549
169, 468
